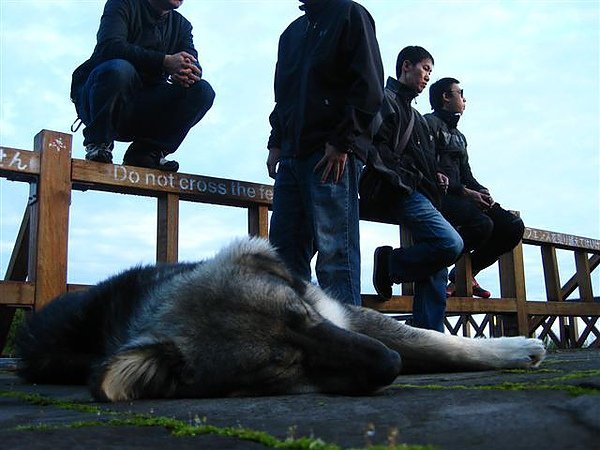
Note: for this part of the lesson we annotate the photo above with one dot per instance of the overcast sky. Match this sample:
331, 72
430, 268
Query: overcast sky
530, 71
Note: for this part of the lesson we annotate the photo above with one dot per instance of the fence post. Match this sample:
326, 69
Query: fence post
512, 285
258, 220
167, 224
50, 198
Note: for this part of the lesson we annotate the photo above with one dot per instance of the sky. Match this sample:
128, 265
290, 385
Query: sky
529, 69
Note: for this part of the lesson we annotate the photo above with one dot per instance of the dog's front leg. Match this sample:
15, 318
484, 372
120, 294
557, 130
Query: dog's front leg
431, 351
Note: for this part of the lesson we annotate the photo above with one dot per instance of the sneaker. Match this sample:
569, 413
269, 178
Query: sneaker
381, 272
478, 291
137, 155
99, 152
450, 290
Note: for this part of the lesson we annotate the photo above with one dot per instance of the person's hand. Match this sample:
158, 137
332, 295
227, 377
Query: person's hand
443, 181
182, 68
482, 200
273, 160
334, 162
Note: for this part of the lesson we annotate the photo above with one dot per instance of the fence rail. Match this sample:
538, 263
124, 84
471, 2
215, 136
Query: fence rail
37, 271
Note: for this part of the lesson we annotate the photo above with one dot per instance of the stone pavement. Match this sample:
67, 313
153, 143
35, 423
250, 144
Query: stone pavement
555, 407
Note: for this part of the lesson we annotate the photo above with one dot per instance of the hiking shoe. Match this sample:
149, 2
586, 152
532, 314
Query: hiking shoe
478, 291
450, 290
99, 152
137, 155
381, 272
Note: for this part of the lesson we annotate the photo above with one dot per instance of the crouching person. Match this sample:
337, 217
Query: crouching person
143, 83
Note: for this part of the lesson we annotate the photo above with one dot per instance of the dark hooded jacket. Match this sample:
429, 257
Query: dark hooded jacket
133, 31
451, 147
328, 80
415, 167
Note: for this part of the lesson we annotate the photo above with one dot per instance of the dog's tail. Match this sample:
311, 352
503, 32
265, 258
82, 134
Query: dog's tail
431, 351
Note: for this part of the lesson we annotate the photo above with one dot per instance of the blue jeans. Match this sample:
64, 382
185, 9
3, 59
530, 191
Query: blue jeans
114, 104
436, 246
310, 217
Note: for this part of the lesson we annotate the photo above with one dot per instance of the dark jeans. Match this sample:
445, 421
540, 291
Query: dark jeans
436, 245
486, 234
114, 104
310, 217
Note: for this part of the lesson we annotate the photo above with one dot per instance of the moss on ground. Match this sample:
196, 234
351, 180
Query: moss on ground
180, 428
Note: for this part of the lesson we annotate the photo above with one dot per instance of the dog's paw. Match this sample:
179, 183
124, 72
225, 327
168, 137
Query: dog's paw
521, 353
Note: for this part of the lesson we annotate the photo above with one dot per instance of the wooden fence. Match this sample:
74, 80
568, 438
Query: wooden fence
37, 271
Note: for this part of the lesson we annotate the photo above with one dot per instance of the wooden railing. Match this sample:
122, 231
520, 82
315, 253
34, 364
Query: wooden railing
37, 271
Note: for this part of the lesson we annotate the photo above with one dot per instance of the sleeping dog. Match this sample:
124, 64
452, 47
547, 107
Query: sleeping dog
236, 324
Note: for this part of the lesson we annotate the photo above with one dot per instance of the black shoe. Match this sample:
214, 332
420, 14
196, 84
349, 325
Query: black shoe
99, 152
381, 272
137, 155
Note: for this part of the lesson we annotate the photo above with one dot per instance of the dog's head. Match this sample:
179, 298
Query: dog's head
242, 324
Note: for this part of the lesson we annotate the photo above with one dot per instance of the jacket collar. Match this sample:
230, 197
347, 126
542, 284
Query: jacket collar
450, 118
314, 8
401, 90
153, 14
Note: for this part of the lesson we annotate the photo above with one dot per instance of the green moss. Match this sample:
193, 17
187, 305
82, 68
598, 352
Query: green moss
530, 371
571, 390
578, 374
36, 399
176, 427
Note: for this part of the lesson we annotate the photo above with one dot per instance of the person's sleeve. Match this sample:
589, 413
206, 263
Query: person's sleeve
186, 41
466, 175
365, 72
275, 136
112, 38
274, 118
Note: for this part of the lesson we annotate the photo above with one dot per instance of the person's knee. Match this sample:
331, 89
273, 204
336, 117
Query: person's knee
203, 94
117, 72
450, 248
513, 232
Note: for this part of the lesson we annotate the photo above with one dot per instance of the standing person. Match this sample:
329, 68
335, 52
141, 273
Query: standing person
412, 188
487, 230
143, 83
328, 88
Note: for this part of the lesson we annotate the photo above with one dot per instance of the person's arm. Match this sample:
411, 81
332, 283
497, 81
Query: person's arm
113, 43
365, 72
183, 66
466, 175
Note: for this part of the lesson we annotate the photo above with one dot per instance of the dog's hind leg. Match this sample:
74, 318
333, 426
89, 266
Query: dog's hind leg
152, 370
431, 351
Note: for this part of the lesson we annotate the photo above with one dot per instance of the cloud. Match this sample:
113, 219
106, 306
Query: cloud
529, 69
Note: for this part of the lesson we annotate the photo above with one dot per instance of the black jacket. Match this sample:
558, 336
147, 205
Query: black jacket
132, 30
415, 168
328, 80
451, 148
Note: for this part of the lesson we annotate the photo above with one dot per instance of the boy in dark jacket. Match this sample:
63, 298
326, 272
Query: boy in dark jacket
412, 189
328, 88
143, 83
487, 230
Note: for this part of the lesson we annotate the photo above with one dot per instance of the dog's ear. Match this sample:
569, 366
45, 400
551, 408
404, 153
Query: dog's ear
274, 266
147, 371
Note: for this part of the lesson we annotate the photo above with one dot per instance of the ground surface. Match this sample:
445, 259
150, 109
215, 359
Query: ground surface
555, 407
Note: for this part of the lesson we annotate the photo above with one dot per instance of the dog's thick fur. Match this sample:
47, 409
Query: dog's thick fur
237, 324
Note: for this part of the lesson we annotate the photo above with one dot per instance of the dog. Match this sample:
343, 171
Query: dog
238, 324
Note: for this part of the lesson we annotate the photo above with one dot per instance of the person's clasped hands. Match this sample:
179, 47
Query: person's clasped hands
183, 69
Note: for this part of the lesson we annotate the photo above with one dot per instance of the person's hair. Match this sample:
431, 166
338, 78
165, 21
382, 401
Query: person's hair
412, 53
437, 89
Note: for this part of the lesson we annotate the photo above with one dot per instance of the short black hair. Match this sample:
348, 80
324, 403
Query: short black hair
412, 53
437, 89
